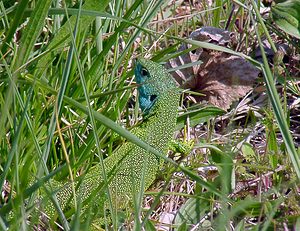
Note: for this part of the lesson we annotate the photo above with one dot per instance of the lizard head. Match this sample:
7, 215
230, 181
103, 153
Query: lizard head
153, 80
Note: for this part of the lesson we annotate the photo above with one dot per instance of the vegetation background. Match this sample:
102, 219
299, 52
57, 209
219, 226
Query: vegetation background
67, 92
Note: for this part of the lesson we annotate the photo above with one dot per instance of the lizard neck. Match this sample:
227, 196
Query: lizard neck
161, 120
164, 107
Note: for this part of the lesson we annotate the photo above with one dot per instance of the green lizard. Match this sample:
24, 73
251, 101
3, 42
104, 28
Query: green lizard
131, 165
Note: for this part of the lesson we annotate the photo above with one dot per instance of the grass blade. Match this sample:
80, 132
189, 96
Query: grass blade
277, 107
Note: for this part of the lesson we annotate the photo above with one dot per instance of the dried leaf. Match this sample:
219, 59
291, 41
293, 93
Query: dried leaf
213, 35
223, 78
207, 34
183, 74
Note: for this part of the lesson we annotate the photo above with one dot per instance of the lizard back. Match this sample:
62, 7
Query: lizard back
131, 169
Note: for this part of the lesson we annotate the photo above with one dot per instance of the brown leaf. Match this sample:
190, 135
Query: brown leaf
223, 78
182, 75
207, 34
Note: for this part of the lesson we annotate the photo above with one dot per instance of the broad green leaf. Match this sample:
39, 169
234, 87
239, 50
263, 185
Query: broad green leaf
191, 213
286, 15
198, 115
149, 226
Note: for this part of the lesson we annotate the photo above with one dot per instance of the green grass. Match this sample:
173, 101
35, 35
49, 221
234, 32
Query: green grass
66, 95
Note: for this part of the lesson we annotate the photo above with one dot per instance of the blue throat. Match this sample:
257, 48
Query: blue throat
146, 99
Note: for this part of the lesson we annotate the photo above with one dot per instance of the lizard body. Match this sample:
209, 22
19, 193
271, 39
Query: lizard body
131, 165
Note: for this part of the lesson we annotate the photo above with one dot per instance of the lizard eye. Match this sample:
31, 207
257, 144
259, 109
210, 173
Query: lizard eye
144, 72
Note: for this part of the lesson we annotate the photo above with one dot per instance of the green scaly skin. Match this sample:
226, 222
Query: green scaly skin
129, 164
